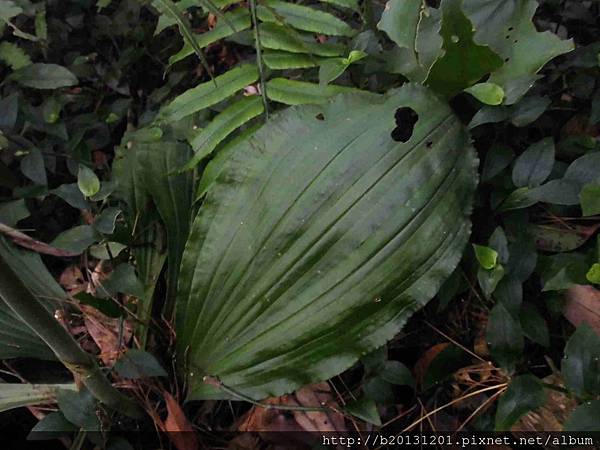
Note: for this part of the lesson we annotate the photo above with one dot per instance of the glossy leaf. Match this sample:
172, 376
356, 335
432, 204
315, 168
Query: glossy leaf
463, 61
277, 60
138, 364
586, 417
364, 409
488, 93
279, 37
76, 239
590, 199
486, 256
534, 165
524, 394
147, 170
266, 301
209, 93
581, 363
13, 55
293, 92
507, 28
222, 125
505, 336
44, 76
87, 181
230, 23
16, 395
303, 18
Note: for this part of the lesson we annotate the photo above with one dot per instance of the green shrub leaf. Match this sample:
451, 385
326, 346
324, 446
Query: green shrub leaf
524, 394
581, 363
44, 76
209, 93
310, 251
488, 93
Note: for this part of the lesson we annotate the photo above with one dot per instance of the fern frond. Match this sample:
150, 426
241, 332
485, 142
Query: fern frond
13, 55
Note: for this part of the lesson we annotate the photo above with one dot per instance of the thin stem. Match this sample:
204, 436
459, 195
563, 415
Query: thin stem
259, 62
214, 381
26, 306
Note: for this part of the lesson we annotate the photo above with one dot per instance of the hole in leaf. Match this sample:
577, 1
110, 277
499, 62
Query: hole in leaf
506, 59
507, 36
510, 28
429, 144
406, 118
320, 116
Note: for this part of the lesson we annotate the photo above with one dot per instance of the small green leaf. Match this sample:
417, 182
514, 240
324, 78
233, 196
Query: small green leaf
34, 168
590, 199
486, 256
12, 212
107, 250
593, 275
44, 76
496, 160
87, 181
138, 364
489, 279
581, 363
586, 417
534, 165
79, 408
71, 194
505, 337
534, 325
488, 93
106, 220
397, 373
124, 280
524, 394
377, 389
53, 425
366, 410
76, 239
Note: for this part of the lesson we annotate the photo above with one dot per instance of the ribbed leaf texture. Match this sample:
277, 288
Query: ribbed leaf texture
17, 340
318, 240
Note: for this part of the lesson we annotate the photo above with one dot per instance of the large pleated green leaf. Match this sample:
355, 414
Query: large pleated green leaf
17, 340
319, 238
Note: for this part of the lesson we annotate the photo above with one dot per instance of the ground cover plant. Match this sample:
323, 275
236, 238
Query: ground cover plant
226, 218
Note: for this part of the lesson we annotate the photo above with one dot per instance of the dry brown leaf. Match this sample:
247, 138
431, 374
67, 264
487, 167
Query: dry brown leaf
105, 331
33, 244
178, 427
583, 305
264, 420
73, 281
423, 363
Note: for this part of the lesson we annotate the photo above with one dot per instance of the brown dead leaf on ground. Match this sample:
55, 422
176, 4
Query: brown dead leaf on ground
105, 331
177, 426
423, 363
318, 395
583, 306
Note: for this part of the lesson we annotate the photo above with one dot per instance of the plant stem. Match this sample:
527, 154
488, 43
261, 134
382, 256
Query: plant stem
259, 60
26, 306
